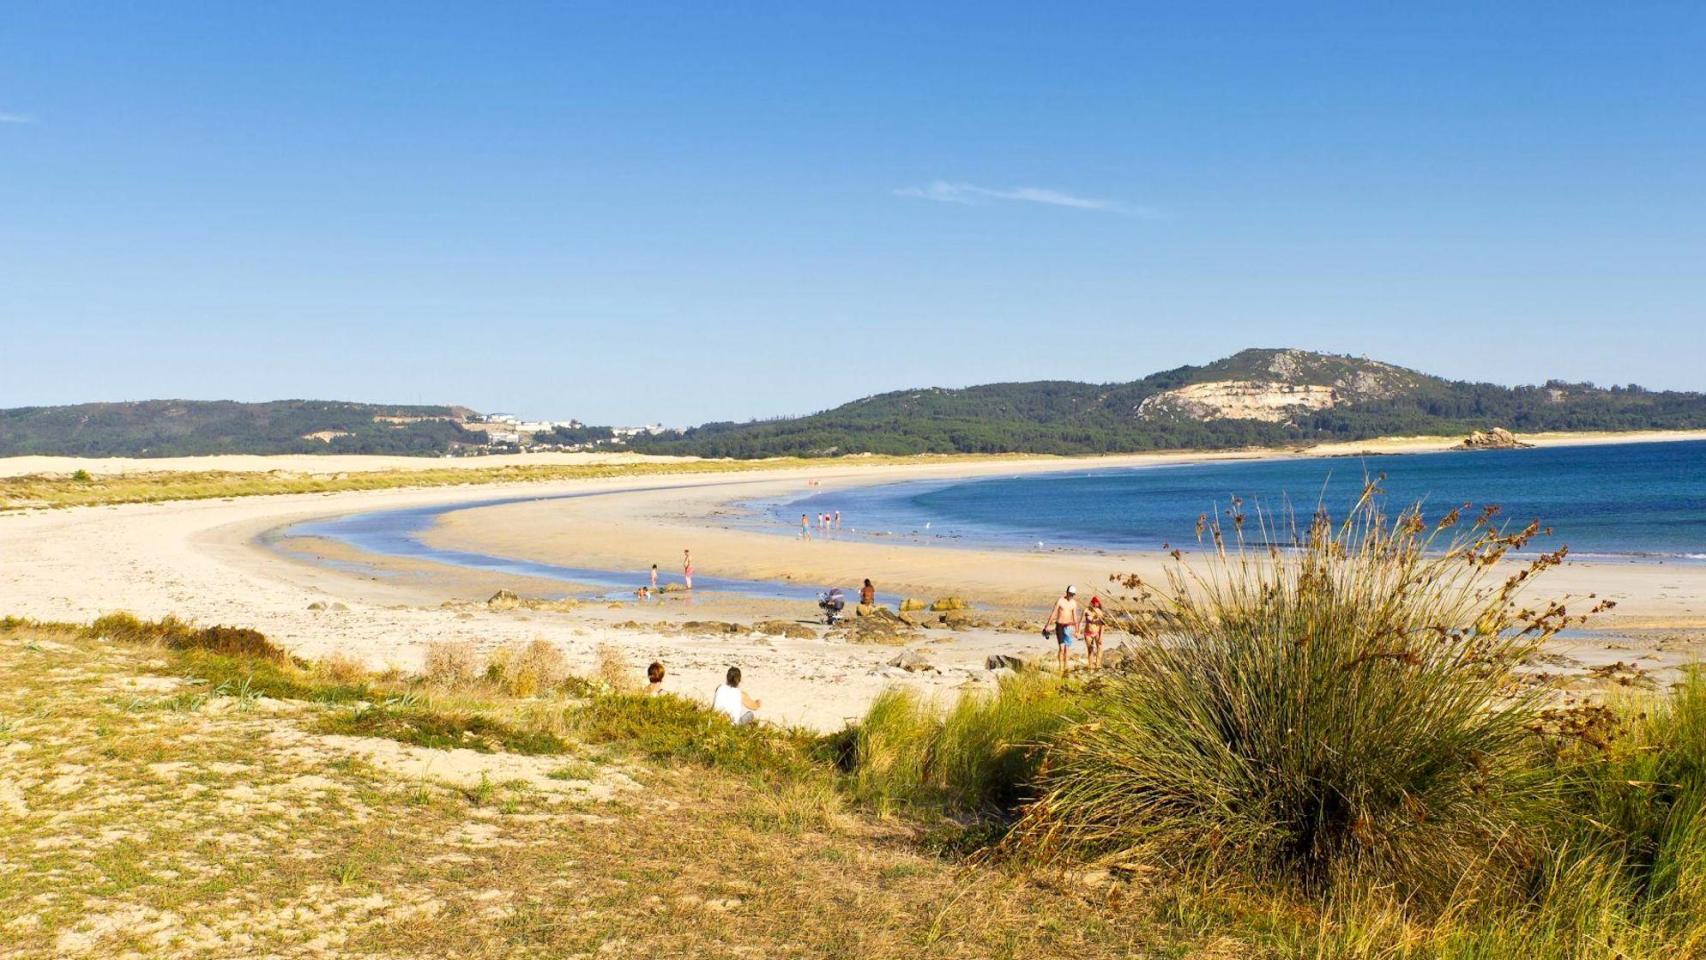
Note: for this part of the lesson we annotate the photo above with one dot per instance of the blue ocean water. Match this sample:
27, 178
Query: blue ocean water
1644, 501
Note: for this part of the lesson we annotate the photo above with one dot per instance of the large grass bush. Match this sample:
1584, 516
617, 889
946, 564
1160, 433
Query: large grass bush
1336, 713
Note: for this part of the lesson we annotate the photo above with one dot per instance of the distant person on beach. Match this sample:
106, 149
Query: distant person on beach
654, 577
687, 567
838, 519
1093, 623
732, 702
1062, 623
654, 679
805, 527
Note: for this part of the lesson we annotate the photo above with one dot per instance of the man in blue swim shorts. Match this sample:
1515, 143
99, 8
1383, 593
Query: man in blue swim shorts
1062, 622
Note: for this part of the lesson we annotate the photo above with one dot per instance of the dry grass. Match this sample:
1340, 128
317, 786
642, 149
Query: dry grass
527, 669
452, 663
614, 670
139, 821
341, 668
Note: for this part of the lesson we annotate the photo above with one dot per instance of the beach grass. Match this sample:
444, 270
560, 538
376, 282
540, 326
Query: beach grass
131, 827
168, 798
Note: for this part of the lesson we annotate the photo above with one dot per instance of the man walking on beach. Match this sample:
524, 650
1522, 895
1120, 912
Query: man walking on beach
1062, 622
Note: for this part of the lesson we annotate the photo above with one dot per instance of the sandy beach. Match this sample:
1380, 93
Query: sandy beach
206, 561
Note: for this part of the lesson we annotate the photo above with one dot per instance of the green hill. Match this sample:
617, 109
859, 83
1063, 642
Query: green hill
1255, 397
168, 428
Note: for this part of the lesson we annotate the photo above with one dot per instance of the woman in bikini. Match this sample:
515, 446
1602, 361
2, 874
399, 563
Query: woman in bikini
1093, 621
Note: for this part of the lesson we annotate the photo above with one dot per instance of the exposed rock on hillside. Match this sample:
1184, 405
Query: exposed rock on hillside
1279, 386
1240, 400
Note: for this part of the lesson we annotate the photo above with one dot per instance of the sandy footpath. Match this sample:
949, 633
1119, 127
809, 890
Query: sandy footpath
202, 560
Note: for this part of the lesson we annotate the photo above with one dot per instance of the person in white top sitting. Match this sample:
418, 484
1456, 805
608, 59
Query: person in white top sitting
731, 701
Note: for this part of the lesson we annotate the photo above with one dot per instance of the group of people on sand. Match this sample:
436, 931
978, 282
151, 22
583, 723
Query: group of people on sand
1068, 622
651, 589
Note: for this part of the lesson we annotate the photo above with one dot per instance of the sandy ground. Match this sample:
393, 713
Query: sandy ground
203, 560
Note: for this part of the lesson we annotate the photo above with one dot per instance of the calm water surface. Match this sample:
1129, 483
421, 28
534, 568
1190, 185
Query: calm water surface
1636, 501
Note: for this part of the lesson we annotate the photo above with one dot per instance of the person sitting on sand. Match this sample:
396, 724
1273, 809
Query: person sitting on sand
867, 599
732, 702
1093, 622
1061, 623
654, 679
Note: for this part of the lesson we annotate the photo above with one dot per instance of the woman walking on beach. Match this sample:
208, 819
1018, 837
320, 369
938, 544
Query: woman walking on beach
1093, 622
687, 567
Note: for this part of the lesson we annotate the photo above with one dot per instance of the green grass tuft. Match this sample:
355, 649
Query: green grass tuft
441, 730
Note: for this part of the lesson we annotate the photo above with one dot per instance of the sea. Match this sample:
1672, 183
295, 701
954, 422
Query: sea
1640, 502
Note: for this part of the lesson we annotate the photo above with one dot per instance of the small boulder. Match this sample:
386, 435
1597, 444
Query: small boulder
784, 628
1118, 657
913, 662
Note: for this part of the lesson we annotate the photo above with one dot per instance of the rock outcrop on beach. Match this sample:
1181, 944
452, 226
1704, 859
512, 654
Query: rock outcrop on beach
1497, 438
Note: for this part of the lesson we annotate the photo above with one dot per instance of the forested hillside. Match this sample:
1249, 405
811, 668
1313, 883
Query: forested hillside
1256, 397
166, 428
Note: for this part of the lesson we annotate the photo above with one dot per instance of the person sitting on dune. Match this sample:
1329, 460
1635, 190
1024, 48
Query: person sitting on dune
654, 679
731, 701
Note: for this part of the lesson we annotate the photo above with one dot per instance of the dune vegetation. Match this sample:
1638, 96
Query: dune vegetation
1321, 749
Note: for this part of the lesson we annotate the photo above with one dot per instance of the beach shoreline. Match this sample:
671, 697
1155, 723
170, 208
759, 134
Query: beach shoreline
208, 561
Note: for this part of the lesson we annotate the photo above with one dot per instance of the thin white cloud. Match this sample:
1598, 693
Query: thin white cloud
15, 118
970, 194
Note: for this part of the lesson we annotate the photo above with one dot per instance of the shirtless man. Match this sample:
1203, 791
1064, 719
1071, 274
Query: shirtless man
1062, 623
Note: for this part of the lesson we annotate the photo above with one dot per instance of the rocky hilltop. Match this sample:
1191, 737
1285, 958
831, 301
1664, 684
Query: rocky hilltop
1280, 386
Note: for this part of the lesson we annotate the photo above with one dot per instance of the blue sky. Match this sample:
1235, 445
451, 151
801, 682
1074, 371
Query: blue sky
632, 212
